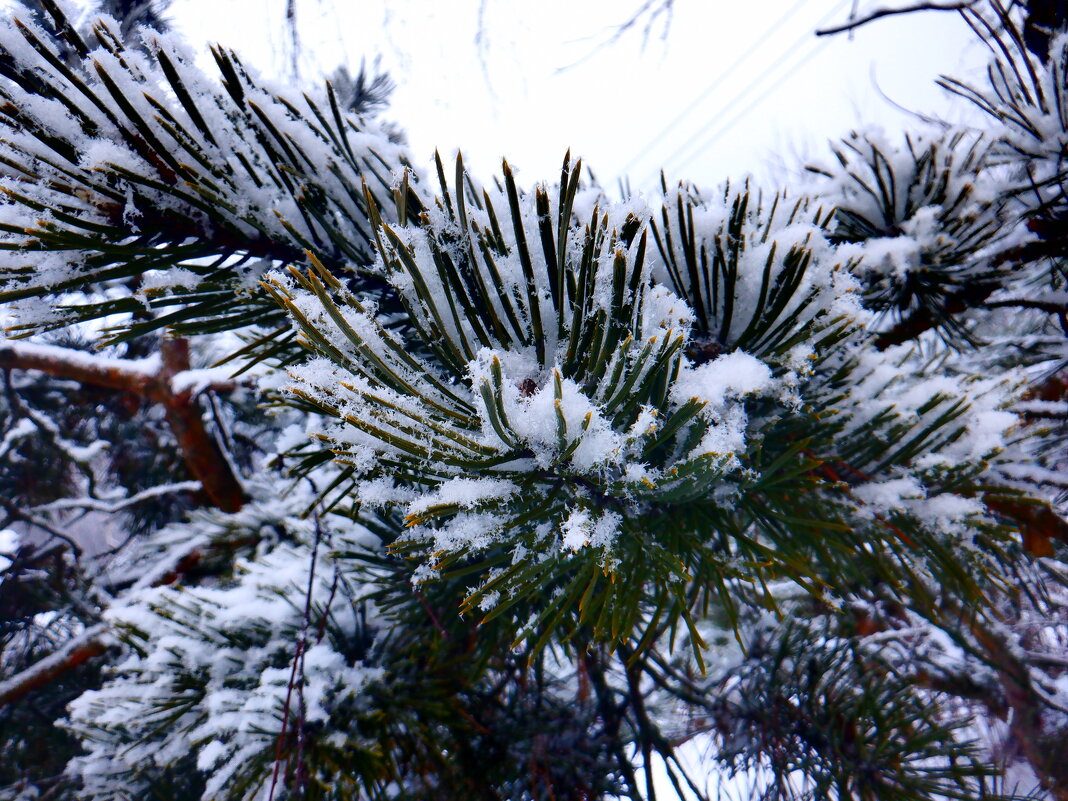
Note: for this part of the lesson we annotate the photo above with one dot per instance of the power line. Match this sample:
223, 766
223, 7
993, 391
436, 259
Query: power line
777, 84
754, 84
714, 84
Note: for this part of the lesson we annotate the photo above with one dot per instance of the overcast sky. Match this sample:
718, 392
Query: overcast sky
727, 89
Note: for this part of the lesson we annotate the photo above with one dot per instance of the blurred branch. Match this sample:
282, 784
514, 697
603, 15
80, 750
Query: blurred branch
165, 379
654, 9
90, 643
857, 22
925, 318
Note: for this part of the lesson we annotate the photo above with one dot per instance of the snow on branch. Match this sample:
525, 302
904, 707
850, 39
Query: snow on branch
165, 379
126, 375
91, 642
139, 376
856, 22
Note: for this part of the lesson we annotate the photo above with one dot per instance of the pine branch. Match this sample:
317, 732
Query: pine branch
113, 507
90, 643
207, 183
165, 379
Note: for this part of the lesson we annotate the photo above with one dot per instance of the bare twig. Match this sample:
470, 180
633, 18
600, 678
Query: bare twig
857, 22
296, 679
655, 9
14, 513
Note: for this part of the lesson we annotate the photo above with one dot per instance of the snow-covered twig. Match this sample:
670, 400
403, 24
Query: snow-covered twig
91, 642
98, 505
1046, 659
878, 13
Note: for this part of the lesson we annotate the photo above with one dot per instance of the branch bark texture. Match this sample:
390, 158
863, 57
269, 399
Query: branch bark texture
158, 379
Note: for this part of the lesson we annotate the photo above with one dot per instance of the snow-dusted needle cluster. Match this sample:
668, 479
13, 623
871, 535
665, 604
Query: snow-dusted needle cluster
561, 404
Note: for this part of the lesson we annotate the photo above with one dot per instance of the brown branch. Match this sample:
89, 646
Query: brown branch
887, 12
924, 319
1046, 752
123, 375
1054, 388
966, 687
201, 452
82, 648
1038, 523
970, 296
153, 379
1049, 307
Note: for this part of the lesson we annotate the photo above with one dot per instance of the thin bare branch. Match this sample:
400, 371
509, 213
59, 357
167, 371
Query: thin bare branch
878, 13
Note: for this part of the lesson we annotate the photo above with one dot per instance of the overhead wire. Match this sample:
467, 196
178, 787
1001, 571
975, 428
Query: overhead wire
773, 68
715, 82
806, 57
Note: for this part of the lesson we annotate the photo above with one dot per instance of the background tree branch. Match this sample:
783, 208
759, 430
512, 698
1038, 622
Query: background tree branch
160, 379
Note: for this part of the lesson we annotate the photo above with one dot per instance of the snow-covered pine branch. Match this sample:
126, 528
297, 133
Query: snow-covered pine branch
134, 181
560, 483
553, 367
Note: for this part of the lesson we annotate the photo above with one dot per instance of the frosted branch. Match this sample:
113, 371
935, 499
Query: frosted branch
878, 13
92, 642
97, 505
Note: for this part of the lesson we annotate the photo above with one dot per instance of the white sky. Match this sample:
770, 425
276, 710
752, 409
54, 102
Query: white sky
731, 88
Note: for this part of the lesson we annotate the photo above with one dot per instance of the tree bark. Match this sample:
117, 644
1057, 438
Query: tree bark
82, 648
152, 379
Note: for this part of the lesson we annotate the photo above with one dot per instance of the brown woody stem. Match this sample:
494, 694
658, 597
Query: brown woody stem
151, 379
82, 648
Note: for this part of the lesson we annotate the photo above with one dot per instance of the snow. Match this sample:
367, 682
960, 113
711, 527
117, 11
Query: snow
9, 541
490, 438
464, 493
581, 529
730, 376
9, 545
